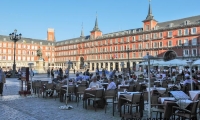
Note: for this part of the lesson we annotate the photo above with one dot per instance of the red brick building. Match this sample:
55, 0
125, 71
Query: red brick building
165, 40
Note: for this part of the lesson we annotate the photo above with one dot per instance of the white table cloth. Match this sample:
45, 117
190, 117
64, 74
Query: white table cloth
183, 103
127, 93
166, 98
193, 94
159, 89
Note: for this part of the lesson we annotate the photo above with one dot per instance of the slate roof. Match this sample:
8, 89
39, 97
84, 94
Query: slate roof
27, 40
179, 22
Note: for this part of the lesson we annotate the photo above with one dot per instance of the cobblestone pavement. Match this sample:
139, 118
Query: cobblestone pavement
15, 107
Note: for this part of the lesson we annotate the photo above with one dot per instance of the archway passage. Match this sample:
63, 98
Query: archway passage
169, 55
81, 63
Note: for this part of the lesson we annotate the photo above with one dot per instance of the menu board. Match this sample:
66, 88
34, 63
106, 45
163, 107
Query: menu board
25, 73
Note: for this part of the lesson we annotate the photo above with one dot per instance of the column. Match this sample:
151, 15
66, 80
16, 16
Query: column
90, 66
108, 66
120, 68
95, 66
131, 65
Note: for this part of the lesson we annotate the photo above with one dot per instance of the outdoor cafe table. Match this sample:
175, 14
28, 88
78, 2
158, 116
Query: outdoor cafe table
194, 94
161, 90
123, 86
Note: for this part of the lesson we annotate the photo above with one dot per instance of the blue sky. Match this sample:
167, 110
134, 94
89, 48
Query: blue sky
32, 18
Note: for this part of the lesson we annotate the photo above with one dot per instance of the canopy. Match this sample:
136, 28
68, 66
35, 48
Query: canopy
197, 62
176, 62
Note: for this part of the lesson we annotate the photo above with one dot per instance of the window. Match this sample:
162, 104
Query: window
193, 30
147, 37
140, 46
147, 45
140, 37
133, 46
186, 52
116, 40
4, 45
4, 51
179, 42
24, 58
147, 27
9, 57
156, 53
133, 38
40, 43
186, 42
169, 33
110, 41
9, 45
160, 44
194, 41
19, 58
28, 46
170, 43
194, 52
155, 45
121, 40
187, 22
179, 32
161, 35
140, 54
127, 39
155, 36
32, 58
133, 55
9, 51
186, 31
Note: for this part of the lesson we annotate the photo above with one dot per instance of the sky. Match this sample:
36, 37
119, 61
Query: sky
32, 18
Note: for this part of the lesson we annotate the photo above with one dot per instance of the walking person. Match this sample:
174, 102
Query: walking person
2, 81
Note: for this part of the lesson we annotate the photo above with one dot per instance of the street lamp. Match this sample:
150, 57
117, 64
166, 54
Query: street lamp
85, 65
31, 75
14, 37
170, 70
128, 66
69, 63
190, 62
122, 65
148, 58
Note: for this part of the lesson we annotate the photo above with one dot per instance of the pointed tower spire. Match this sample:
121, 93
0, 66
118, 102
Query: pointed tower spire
96, 28
150, 15
82, 33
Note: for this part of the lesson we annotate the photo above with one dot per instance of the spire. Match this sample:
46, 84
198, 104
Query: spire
82, 33
150, 15
96, 28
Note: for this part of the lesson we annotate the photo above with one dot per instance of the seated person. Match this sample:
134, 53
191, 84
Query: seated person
111, 84
95, 83
56, 80
78, 78
64, 81
188, 80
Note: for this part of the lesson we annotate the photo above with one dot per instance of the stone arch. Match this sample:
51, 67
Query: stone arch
170, 55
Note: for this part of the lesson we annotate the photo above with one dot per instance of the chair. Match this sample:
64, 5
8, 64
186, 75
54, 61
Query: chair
185, 113
164, 84
111, 94
37, 86
58, 89
135, 102
156, 107
80, 91
97, 96
49, 89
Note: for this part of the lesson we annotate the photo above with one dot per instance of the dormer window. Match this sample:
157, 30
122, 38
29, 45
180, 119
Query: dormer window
171, 25
187, 22
156, 27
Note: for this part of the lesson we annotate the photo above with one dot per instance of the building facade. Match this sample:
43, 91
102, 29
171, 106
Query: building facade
26, 51
164, 40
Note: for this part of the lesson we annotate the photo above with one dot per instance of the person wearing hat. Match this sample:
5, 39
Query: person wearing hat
2, 81
188, 80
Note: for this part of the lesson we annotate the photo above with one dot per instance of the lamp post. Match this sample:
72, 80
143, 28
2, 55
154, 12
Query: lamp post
148, 58
190, 62
14, 37
31, 75
85, 65
66, 106
128, 66
170, 70
122, 65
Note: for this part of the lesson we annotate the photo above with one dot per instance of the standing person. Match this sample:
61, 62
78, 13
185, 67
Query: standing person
52, 73
48, 72
2, 81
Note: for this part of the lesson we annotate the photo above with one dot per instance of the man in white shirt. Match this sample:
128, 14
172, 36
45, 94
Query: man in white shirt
111, 84
95, 83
